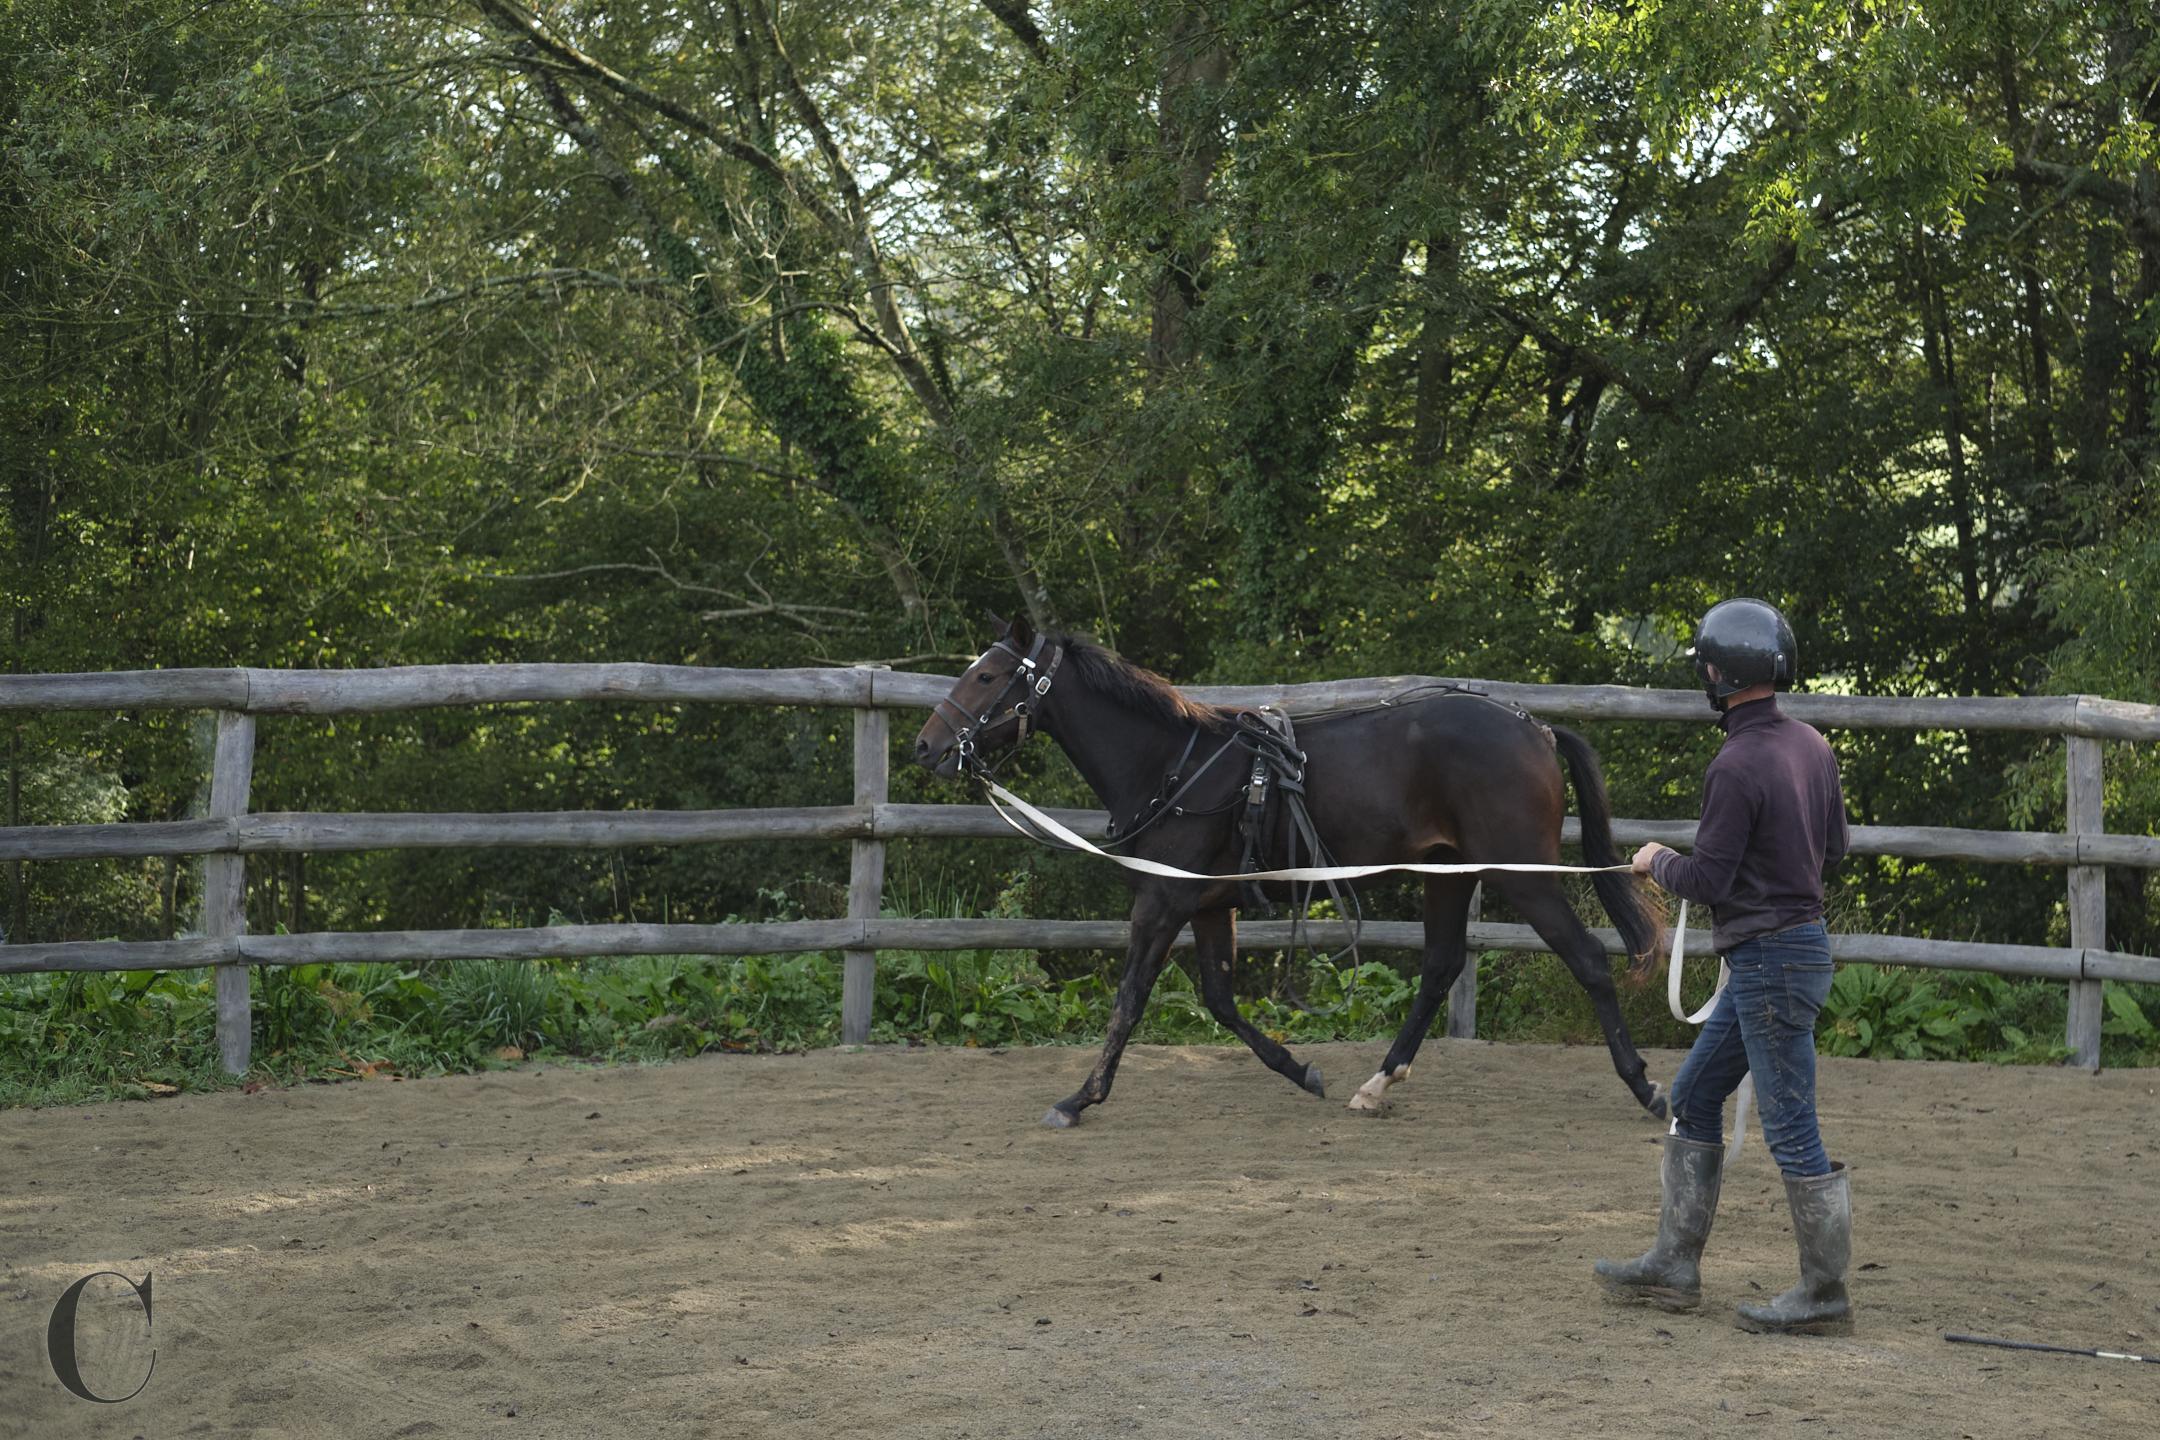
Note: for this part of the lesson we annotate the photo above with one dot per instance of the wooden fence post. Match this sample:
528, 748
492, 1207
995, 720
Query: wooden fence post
225, 886
866, 878
1462, 995
2088, 899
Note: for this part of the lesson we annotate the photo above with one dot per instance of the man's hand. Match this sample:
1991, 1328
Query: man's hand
1644, 857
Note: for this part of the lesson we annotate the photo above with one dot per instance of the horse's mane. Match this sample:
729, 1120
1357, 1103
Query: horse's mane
1140, 689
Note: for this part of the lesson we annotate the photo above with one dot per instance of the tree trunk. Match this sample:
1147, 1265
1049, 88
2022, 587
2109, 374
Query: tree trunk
2040, 384
1436, 355
1939, 347
2100, 357
1190, 127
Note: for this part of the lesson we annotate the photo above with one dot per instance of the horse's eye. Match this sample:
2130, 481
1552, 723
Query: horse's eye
982, 679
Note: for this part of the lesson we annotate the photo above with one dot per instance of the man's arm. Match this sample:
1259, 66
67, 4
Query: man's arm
1834, 847
1728, 816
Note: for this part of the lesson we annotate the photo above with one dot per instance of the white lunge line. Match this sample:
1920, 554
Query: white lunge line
1303, 872
1372, 1095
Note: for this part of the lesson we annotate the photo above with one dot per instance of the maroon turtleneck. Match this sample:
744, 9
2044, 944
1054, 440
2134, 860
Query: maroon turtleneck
1773, 825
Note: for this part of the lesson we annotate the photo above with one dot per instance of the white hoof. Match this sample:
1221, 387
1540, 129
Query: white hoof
1372, 1095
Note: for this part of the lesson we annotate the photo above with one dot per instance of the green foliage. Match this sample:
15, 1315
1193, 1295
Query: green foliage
1268, 342
86, 1035
2130, 1035
1896, 1014
72, 1038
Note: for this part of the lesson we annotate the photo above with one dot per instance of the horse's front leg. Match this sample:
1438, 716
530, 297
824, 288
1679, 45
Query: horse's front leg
1214, 948
1155, 923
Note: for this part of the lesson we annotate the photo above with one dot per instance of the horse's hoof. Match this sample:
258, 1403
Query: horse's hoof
1656, 1105
1058, 1119
1314, 1082
1371, 1097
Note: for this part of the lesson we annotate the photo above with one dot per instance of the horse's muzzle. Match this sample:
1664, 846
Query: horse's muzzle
943, 763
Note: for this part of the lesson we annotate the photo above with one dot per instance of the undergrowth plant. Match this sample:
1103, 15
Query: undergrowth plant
83, 1036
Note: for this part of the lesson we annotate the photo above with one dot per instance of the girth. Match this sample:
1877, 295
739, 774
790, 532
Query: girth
1275, 804
1276, 775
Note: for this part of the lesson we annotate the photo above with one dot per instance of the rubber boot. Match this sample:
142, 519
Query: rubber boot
1670, 1274
1822, 1224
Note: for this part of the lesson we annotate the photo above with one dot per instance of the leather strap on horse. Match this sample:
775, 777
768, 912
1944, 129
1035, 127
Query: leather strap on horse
1276, 757
1031, 676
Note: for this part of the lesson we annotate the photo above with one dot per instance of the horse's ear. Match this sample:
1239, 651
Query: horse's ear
1018, 631
999, 625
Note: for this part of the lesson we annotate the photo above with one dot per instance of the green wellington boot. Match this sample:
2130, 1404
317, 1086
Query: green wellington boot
1822, 1224
1670, 1275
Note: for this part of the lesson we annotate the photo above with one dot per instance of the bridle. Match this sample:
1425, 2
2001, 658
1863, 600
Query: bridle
1030, 676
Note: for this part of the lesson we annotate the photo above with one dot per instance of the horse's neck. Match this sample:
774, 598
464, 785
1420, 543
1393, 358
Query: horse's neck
1121, 753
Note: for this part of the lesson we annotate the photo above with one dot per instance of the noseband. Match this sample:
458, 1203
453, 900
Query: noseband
1031, 677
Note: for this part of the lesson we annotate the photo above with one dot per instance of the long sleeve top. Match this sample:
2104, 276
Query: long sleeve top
1773, 826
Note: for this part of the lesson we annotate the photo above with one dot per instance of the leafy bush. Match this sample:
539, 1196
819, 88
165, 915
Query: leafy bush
1907, 1015
2129, 1035
83, 1036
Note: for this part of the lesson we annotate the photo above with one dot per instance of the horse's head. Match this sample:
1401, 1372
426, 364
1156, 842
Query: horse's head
990, 707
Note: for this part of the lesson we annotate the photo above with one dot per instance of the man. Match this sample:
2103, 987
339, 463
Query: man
1773, 824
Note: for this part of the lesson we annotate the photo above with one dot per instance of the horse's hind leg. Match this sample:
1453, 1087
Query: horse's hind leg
1447, 913
1541, 902
1214, 946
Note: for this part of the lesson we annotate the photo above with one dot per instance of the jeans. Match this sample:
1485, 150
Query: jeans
1764, 1023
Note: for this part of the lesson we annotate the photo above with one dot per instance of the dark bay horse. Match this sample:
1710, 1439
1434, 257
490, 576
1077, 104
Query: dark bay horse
1450, 778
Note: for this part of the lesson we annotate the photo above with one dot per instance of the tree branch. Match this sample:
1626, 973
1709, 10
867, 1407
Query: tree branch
1712, 339
1575, 358
899, 344
2142, 219
1013, 15
743, 606
522, 22
715, 457
562, 280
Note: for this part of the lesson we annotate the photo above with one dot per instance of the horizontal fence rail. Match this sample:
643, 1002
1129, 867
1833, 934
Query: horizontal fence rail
232, 832
275, 833
417, 687
800, 937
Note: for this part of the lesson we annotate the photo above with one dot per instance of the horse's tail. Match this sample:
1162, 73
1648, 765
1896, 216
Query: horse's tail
1640, 930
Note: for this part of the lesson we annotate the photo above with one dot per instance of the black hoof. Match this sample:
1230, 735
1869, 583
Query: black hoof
1314, 1082
1058, 1119
1656, 1105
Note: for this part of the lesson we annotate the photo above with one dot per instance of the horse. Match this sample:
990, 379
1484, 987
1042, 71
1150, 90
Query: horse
1448, 778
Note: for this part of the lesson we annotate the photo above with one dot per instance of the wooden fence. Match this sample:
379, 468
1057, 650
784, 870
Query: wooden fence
230, 831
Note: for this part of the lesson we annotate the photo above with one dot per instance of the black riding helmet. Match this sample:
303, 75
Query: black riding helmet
1750, 643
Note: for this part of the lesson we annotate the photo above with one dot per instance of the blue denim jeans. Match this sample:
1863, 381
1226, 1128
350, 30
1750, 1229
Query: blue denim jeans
1764, 1023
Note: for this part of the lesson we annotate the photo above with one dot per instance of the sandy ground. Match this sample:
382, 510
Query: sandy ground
886, 1243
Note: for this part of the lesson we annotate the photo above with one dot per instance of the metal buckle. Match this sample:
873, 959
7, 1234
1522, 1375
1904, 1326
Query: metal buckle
1042, 686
